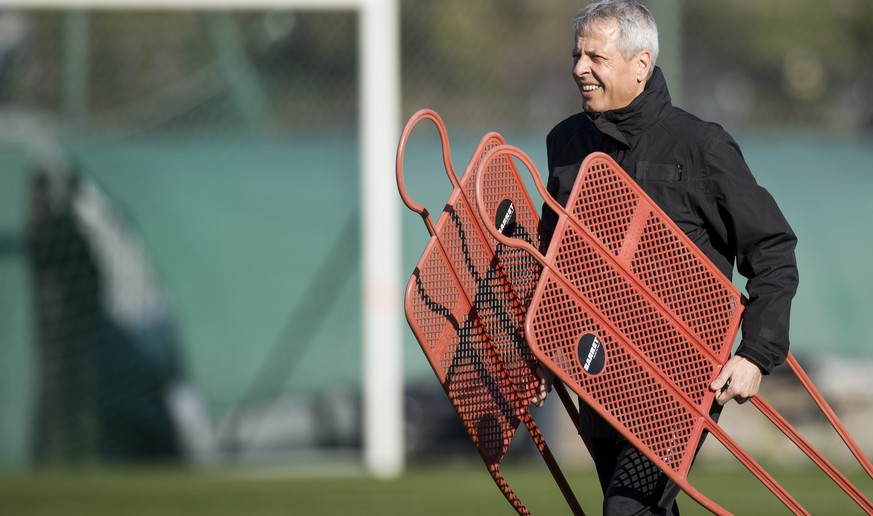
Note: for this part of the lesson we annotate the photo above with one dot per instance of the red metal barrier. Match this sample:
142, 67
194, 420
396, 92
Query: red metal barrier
637, 321
466, 304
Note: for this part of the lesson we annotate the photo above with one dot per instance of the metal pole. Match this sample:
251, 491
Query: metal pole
382, 291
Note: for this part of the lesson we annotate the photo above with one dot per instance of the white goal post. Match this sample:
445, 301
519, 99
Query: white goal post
379, 98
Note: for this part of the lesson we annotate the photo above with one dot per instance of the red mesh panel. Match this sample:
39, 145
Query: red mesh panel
622, 272
605, 206
515, 273
462, 309
638, 402
502, 182
466, 303
485, 275
635, 319
638, 322
624, 220
430, 309
709, 308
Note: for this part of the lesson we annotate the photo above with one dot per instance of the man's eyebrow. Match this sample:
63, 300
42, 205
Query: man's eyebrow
592, 53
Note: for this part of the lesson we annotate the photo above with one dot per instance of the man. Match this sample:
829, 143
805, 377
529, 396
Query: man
696, 173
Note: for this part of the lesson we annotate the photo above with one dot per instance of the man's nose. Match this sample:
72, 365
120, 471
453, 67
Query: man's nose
581, 66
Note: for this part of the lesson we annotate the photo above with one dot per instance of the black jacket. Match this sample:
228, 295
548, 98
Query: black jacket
696, 173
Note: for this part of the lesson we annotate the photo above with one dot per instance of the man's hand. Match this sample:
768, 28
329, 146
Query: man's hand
544, 386
739, 379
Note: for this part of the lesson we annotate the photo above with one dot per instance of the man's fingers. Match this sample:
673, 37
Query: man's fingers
721, 380
737, 391
545, 377
542, 388
739, 379
725, 394
542, 393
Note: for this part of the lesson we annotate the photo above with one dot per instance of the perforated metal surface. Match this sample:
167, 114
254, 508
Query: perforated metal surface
512, 274
466, 304
453, 305
625, 388
624, 220
599, 327
635, 283
488, 275
632, 316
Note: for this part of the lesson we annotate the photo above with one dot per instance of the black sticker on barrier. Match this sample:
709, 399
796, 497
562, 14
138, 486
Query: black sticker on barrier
504, 219
592, 354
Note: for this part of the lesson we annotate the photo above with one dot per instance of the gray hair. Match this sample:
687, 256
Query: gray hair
637, 30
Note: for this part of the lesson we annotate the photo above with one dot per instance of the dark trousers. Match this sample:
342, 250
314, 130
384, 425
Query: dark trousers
631, 484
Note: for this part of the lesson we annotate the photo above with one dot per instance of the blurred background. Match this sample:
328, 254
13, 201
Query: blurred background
179, 199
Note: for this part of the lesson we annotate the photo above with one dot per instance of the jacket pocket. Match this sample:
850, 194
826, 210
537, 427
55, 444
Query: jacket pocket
646, 171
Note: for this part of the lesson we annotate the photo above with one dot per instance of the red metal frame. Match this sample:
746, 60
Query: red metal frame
466, 304
621, 273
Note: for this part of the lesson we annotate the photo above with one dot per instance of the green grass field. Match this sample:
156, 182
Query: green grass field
456, 490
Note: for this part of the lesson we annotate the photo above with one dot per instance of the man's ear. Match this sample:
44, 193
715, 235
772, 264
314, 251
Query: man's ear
644, 63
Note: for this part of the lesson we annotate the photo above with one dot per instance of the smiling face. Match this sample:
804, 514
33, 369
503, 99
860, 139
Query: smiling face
605, 79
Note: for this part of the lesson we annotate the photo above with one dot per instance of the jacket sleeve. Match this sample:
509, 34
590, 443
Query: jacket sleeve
752, 225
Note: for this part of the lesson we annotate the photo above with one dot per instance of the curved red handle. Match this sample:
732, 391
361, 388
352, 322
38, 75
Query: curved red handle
423, 114
487, 221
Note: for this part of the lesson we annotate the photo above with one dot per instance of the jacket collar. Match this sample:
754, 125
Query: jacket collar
642, 113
